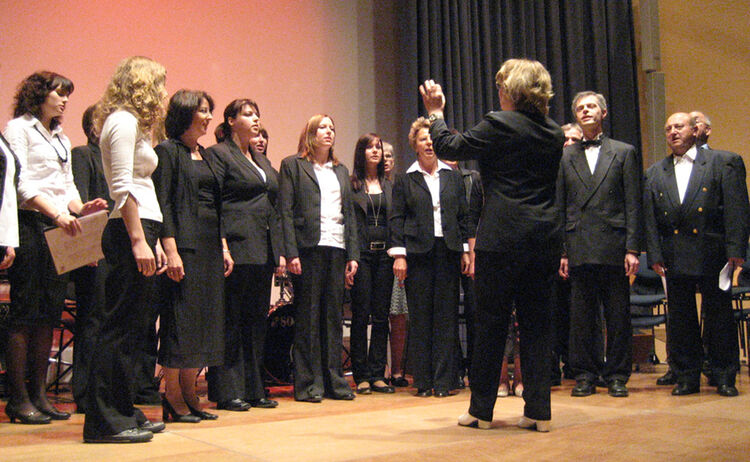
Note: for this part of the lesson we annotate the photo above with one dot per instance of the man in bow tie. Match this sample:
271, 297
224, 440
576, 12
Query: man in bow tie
599, 196
696, 209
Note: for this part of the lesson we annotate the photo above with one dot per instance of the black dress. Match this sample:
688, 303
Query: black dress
192, 316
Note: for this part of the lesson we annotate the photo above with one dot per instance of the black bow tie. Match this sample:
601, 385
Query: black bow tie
589, 143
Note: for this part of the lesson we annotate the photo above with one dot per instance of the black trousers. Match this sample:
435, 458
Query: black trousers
371, 299
89, 289
319, 298
432, 296
560, 324
129, 300
592, 286
248, 297
683, 329
469, 307
520, 277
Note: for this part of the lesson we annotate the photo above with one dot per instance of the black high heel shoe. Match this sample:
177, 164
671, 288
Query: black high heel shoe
201, 414
53, 412
169, 414
29, 418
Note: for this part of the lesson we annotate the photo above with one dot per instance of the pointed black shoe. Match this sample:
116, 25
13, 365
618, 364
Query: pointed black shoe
131, 435
29, 418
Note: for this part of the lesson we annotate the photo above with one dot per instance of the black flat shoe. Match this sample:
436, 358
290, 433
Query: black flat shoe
618, 389
399, 382
263, 403
424, 392
236, 405
169, 414
362, 390
28, 418
583, 388
727, 390
667, 379
153, 427
382, 389
682, 389
312, 399
131, 435
201, 414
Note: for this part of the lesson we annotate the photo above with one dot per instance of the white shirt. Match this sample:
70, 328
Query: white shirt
331, 218
41, 155
683, 167
592, 155
128, 160
9, 208
433, 184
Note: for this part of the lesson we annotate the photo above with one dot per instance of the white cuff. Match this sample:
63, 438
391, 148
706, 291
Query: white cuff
397, 252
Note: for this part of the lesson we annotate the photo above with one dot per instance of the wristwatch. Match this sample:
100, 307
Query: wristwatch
433, 117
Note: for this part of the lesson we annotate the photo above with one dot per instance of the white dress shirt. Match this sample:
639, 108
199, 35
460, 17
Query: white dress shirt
9, 208
592, 155
46, 168
683, 167
433, 184
128, 161
331, 217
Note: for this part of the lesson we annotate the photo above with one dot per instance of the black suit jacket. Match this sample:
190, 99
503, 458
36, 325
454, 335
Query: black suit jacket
251, 219
697, 237
360, 212
412, 224
299, 199
601, 212
4, 167
177, 191
519, 154
88, 174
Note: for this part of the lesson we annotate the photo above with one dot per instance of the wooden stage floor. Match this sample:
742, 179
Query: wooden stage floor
649, 425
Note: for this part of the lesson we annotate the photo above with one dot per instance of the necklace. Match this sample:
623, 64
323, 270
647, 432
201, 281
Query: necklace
376, 211
59, 157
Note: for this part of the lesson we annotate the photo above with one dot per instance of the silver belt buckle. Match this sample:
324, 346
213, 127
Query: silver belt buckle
377, 245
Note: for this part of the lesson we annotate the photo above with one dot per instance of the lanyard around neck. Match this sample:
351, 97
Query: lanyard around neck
59, 157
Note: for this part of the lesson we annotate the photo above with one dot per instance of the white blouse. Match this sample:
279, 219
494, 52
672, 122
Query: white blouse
331, 217
128, 161
8, 210
46, 168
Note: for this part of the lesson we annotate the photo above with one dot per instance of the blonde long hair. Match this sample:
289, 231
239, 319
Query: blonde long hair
306, 146
137, 86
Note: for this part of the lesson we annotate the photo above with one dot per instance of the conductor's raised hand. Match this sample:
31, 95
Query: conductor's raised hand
432, 97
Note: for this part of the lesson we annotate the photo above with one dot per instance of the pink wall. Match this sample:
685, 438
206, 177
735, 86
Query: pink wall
294, 58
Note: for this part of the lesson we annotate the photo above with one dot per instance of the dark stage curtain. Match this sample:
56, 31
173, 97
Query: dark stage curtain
585, 45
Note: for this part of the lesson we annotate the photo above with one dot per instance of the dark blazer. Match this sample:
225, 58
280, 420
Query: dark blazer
4, 167
251, 219
601, 212
412, 223
360, 212
177, 192
299, 198
697, 237
88, 174
519, 154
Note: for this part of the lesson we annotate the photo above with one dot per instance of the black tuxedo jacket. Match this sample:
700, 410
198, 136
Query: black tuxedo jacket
177, 192
251, 219
360, 212
88, 174
519, 154
4, 167
412, 224
695, 238
299, 199
601, 212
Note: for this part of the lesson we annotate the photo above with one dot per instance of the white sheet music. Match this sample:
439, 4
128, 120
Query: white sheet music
71, 252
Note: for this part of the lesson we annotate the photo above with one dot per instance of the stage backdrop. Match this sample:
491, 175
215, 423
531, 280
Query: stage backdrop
585, 44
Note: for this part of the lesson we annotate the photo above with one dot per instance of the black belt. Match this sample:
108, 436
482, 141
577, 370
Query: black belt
377, 245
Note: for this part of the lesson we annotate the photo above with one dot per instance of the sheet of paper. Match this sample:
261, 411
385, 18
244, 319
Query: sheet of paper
725, 277
71, 252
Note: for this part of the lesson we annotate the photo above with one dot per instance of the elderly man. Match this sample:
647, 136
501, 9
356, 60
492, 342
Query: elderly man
703, 127
573, 134
599, 196
696, 207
